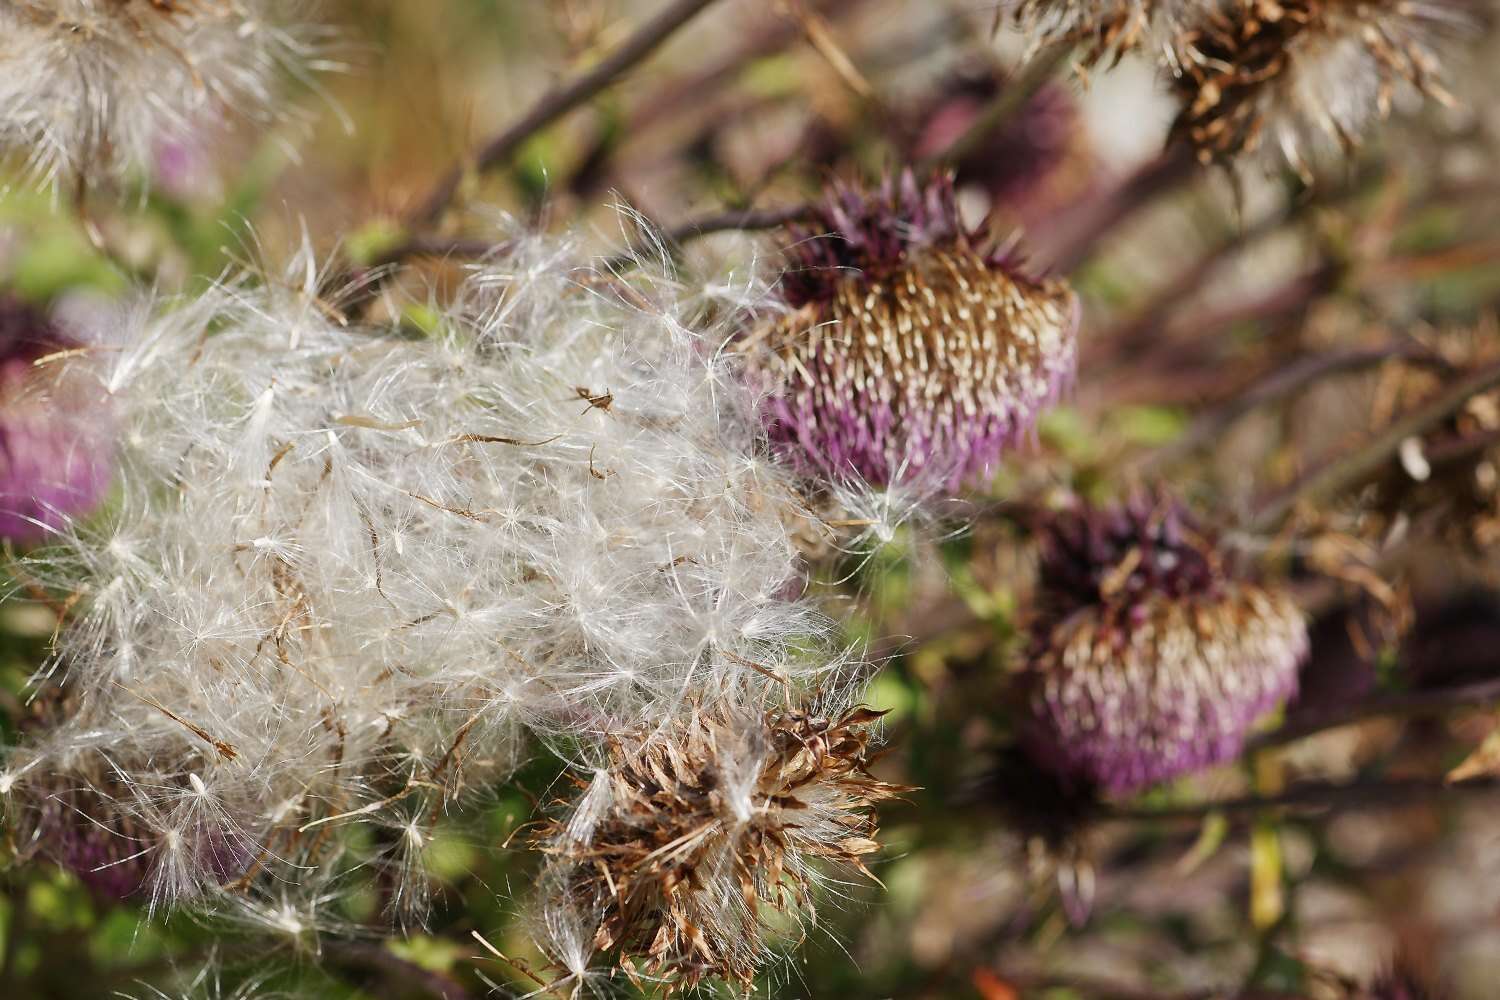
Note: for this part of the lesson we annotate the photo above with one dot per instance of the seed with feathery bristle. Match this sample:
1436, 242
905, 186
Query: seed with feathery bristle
1149, 658
695, 833
92, 89
349, 575
909, 353
1292, 76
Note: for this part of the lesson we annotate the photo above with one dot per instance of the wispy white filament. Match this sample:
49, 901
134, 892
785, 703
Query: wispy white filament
350, 576
98, 87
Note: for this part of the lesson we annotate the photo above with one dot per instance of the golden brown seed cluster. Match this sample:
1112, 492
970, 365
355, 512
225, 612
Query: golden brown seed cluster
693, 839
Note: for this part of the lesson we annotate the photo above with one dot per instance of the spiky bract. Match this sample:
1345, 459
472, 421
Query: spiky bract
1149, 658
1293, 77
909, 353
1102, 30
93, 88
696, 838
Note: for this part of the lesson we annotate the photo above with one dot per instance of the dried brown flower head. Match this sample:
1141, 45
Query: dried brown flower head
1290, 75
699, 840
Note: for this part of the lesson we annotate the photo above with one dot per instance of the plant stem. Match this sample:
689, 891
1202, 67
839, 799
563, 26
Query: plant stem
557, 103
1012, 99
1409, 704
1279, 385
1077, 232
1331, 476
374, 961
1312, 796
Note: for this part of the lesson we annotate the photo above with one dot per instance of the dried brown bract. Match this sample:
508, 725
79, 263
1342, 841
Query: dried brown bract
1101, 31
1290, 75
699, 841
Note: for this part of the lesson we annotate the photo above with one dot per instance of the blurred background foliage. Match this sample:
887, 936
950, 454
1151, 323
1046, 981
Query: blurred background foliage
1200, 293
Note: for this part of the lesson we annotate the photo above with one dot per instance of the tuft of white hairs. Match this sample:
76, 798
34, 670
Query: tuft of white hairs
351, 576
96, 88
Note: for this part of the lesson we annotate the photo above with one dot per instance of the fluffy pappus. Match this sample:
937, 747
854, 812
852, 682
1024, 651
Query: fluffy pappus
700, 842
352, 576
95, 88
1149, 656
908, 353
1293, 78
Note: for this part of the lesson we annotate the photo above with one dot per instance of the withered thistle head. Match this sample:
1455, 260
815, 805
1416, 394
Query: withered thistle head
909, 351
1149, 657
1293, 75
55, 456
1101, 31
699, 840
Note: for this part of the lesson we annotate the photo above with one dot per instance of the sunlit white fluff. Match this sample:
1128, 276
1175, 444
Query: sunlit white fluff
97, 87
351, 576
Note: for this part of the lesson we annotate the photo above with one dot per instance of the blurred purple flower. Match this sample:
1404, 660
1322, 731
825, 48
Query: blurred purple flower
1149, 658
55, 455
909, 352
1032, 165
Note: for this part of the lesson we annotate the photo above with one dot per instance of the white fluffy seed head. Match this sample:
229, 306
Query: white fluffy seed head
98, 88
350, 577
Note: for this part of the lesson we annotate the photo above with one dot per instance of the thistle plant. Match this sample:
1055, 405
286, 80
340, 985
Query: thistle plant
93, 88
1149, 658
909, 351
352, 577
404, 600
693, 838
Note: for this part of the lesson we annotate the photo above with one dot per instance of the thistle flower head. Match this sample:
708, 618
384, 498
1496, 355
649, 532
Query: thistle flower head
1149, 658
1295, 76
93, 87
54, 445
351, 575
697, 839
909, 352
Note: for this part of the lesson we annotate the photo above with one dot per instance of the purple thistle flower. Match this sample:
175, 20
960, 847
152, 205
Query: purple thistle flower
1149, 658
909, 352
55, 458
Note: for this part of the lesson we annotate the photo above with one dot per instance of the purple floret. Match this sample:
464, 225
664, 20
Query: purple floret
909, 354
55, 456
1149, 660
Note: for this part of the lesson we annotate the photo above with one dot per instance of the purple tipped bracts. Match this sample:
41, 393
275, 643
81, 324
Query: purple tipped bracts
1149, 658
54, 450
908, 352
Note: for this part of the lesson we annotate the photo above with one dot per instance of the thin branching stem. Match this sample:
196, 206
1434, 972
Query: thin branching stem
1330, 477
557, 103
1312, 796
